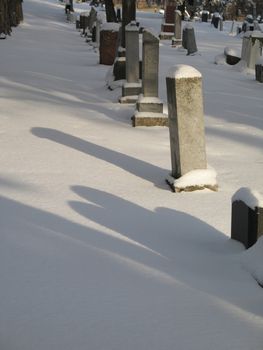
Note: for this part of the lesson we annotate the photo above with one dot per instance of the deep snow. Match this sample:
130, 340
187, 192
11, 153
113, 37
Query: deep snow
96, 251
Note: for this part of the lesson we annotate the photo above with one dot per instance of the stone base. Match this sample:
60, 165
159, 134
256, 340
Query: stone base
171, 181
176, 42
129, 99
149, 104
130, 89
166, 36
167, 27
149, 119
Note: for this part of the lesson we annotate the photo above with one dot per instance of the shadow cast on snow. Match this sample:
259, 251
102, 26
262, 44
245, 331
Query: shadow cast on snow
132, 165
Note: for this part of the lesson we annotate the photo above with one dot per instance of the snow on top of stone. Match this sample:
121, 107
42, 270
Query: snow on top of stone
252, 198
183, 71
112, 26
232, 51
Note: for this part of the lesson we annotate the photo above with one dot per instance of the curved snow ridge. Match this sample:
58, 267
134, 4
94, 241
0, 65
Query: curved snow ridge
252, 198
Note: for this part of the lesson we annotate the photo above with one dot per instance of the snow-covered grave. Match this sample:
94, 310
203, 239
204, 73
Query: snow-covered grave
247, 216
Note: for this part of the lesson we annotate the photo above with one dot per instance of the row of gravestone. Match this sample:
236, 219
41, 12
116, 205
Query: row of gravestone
186, 127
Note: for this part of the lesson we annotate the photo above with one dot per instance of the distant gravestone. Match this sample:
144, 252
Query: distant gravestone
149, 108
167, 27
186, 124
177, 39
188, 41
205, 15
108, 43
247, 217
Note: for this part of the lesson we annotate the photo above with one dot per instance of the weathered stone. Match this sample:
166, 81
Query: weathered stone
188, 41
186, 120
177, 39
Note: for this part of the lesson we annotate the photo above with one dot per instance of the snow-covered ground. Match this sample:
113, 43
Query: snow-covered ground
96, 252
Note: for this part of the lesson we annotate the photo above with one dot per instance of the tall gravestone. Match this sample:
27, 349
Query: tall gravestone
132, 86
149, 108
177, 39
186, 124
167, 27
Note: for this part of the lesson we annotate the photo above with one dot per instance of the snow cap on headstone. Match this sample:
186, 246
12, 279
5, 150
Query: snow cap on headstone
183, 71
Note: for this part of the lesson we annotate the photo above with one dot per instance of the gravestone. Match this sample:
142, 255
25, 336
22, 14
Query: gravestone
83, 21
186, 126
247, 217
259, 72
252, 48
177, 39
108, 42
205, 15
167, 27
188, 40
149, 108
132, 86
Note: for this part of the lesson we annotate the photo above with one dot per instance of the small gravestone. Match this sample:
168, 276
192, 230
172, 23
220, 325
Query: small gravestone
188, 41
167, 27
247, 216
186, 128
205, 15
232, 56
149, 108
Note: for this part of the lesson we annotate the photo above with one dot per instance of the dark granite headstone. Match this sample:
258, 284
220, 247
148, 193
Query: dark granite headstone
108, 46
246, 224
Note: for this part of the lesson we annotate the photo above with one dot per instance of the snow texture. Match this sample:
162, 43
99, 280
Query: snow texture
96, 251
